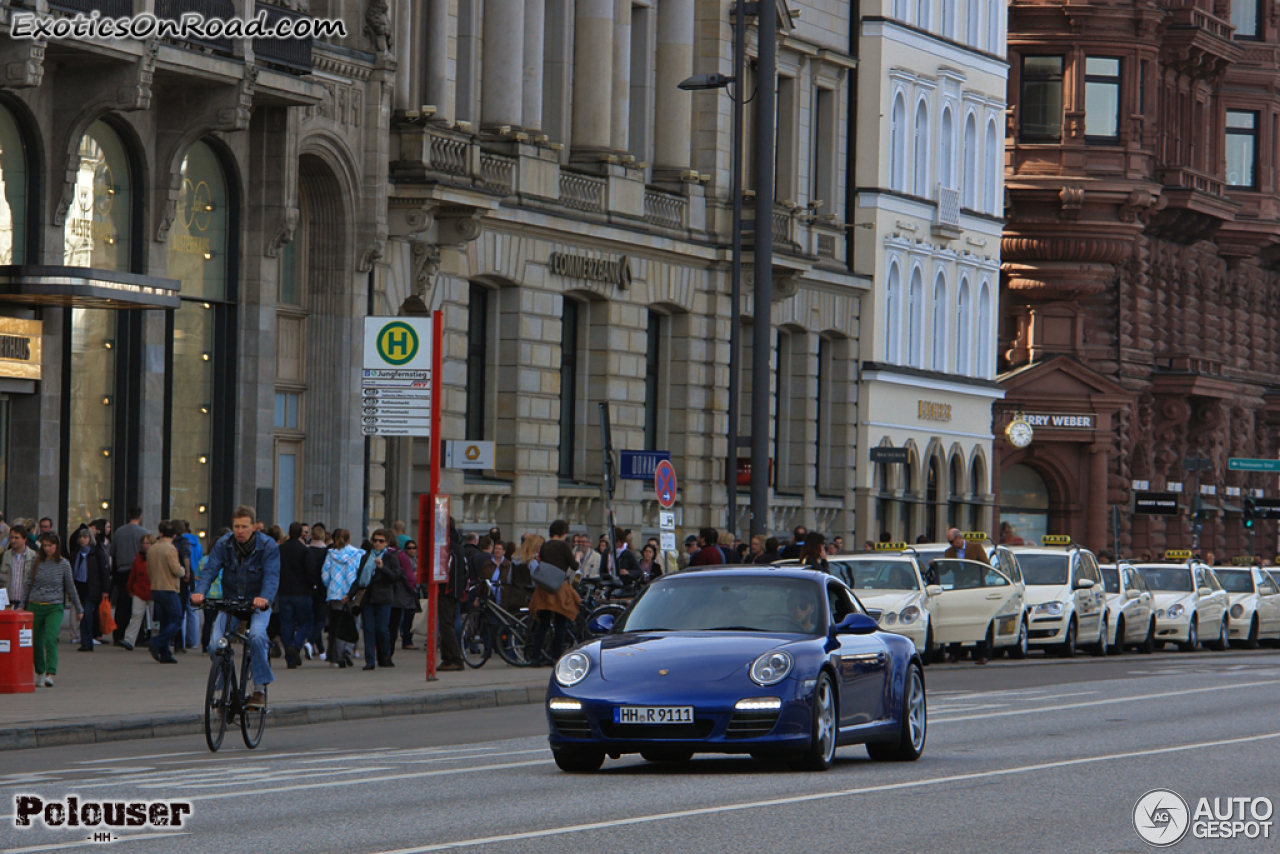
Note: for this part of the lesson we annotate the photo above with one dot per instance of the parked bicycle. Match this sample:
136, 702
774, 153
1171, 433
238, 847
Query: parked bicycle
226, 697
489, 626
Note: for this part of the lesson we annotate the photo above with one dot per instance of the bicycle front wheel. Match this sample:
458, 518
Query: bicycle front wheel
217, 695
477, 641
252, 721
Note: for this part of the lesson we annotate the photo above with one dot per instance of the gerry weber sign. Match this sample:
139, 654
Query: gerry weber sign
1062, 421
594, 269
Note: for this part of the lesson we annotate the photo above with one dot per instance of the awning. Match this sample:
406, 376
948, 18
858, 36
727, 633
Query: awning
83, 287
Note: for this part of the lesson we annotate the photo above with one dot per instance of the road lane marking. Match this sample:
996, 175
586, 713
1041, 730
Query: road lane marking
139, 758
1107, 702
1060, 696
819, 796
62, 846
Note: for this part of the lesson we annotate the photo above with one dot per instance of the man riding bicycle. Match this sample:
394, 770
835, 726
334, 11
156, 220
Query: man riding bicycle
249, 563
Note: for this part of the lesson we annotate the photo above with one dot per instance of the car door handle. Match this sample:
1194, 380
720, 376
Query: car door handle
995, 595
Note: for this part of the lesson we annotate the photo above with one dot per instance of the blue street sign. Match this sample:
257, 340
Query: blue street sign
640, 465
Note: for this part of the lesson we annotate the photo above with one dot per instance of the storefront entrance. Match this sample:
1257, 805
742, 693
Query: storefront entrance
1024, 506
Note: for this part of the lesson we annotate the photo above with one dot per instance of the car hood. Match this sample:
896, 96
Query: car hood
1039, 593
889, 600
1248, 600
1165, 599
693, 656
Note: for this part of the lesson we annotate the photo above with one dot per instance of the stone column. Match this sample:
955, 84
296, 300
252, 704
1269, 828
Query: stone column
534, 33
403, 35
673, 108
592, 76
502, 83
438, 88
620, 130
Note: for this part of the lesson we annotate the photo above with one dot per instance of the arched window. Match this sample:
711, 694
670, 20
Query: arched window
924, 14
986, 360
964, 322
955, 509
939, 341
13, 191
949, 19
970, 177
971, 22
947, 153
994, 13
915, 321
893, 315
1024, 505
921, 152
991, 180
898, 144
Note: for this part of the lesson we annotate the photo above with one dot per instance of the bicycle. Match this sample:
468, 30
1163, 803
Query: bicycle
488, 626
225, 697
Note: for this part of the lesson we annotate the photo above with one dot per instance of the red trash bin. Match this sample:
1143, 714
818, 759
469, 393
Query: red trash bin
16, 667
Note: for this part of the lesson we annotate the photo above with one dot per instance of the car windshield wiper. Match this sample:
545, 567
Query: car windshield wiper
734, 629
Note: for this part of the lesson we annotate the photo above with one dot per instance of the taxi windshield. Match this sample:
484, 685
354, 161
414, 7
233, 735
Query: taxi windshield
876, 574
1172, 579
715, 602
1110, 578
1045, 569
1236, 580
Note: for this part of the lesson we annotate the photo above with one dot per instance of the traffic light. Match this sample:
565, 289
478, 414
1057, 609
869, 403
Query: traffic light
1250, 512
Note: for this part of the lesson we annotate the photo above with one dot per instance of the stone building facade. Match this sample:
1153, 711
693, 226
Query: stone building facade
932, 81
1140, 287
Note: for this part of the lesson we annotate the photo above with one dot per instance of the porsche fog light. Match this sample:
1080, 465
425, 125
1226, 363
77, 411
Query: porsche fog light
770, 668
572, 669
564, 704
1237, 611
909, 614
759, 704
1176, 611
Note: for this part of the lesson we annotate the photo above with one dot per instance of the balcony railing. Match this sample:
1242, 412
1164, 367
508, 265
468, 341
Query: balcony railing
289, 54
582, 192
664, 209
497, 173
1190, 179
175, 9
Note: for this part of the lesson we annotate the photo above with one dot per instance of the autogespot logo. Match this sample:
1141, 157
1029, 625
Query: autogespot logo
1161, 817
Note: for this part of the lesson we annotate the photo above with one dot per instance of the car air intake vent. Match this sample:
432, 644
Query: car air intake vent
697, 729
751, 724
572, 724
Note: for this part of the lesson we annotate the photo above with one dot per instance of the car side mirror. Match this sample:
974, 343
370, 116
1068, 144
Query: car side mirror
1131, 594
934, 590
1084, 583
601, 625
857, 624
1205, 591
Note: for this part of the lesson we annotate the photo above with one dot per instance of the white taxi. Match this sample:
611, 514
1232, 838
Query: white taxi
1255, 604
976, 602
893, 585
1190, 602
1131, 619
1066, 597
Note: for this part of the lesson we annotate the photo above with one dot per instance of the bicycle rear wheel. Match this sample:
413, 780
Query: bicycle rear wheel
513, 641
217, 694
477, 640
252, 721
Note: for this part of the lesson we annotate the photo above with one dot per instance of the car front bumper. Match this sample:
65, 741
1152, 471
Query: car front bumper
1047, 631
1177, 630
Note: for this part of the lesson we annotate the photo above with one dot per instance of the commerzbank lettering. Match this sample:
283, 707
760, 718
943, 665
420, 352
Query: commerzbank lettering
616, 273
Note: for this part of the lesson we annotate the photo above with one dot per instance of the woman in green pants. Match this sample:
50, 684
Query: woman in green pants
51, 583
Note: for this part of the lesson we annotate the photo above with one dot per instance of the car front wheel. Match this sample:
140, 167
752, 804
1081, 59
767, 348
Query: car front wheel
822, 745
1193, 637
579, 760
1100, 648
1148, 645
1223, 640
1019, 650
915, 723
1068, 648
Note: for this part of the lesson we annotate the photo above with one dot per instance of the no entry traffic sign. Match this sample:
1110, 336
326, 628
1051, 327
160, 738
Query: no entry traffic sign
664, 483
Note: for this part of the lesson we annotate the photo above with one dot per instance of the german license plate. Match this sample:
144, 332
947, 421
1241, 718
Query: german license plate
653, 715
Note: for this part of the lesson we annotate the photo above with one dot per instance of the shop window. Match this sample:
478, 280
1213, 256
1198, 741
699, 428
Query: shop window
13, 191
964, 323
1102, 99
1040, 107
915, 321
478, 326
907, 503
969, 192
898, 145
921, 153
884, 501
1245, 15
977, 488
940, 319
1242, 149
1024, 503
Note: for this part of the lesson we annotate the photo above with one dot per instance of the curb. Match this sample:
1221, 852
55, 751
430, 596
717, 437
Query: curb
103, 730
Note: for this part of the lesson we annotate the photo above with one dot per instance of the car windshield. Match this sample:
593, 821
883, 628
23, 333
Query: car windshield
1046, 569
720, 602
876, 574
1110, 578
1172, 579
1235, 580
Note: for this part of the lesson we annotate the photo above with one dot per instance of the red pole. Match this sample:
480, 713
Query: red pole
426, 504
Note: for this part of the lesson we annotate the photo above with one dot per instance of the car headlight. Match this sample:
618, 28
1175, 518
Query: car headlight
1053, 609
1237, 611
771, 668
1160, 614
909, 614
1175, 612
888, 618
572, 669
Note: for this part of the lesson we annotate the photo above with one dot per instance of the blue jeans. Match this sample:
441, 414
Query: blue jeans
319, 616
295, 620
259, 648
190, 619
166, 609
377, 632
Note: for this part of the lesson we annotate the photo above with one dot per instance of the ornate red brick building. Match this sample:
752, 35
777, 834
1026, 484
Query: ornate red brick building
1141, 262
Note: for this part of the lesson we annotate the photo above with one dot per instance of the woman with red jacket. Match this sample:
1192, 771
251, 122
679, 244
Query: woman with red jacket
139, 587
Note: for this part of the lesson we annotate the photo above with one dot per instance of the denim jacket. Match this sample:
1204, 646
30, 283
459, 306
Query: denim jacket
258, 575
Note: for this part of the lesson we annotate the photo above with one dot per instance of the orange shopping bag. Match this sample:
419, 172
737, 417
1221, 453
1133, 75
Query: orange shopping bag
105, 622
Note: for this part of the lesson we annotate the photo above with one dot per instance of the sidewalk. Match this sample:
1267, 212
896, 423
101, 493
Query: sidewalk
111, 694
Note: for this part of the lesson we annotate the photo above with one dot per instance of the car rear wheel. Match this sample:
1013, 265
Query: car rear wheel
1193, 637
1019, 650
1224, 637
1068, 647
1100, 648
1148, 645
822, 746
579, 760
915, 723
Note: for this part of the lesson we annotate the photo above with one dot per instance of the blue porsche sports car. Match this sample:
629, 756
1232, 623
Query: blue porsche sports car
778, 662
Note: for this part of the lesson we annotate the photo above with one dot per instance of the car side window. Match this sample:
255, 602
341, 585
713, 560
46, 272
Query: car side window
1265, 587
1090, 566
1213, 579
995, 579
840, 603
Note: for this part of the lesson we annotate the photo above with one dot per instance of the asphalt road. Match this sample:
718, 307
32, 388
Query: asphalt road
1032, 756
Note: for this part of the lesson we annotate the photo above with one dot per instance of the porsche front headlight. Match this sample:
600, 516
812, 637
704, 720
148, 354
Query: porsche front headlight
909, 614
572, 669
771, 668
1052, 609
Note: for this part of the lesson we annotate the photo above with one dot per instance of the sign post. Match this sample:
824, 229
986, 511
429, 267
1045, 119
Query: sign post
1250, 464
397, 385
433, 508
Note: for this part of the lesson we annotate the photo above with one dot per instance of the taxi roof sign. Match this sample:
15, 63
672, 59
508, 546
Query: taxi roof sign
891, 547
1055, 540
975, 536
1241, 560
1177, 554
